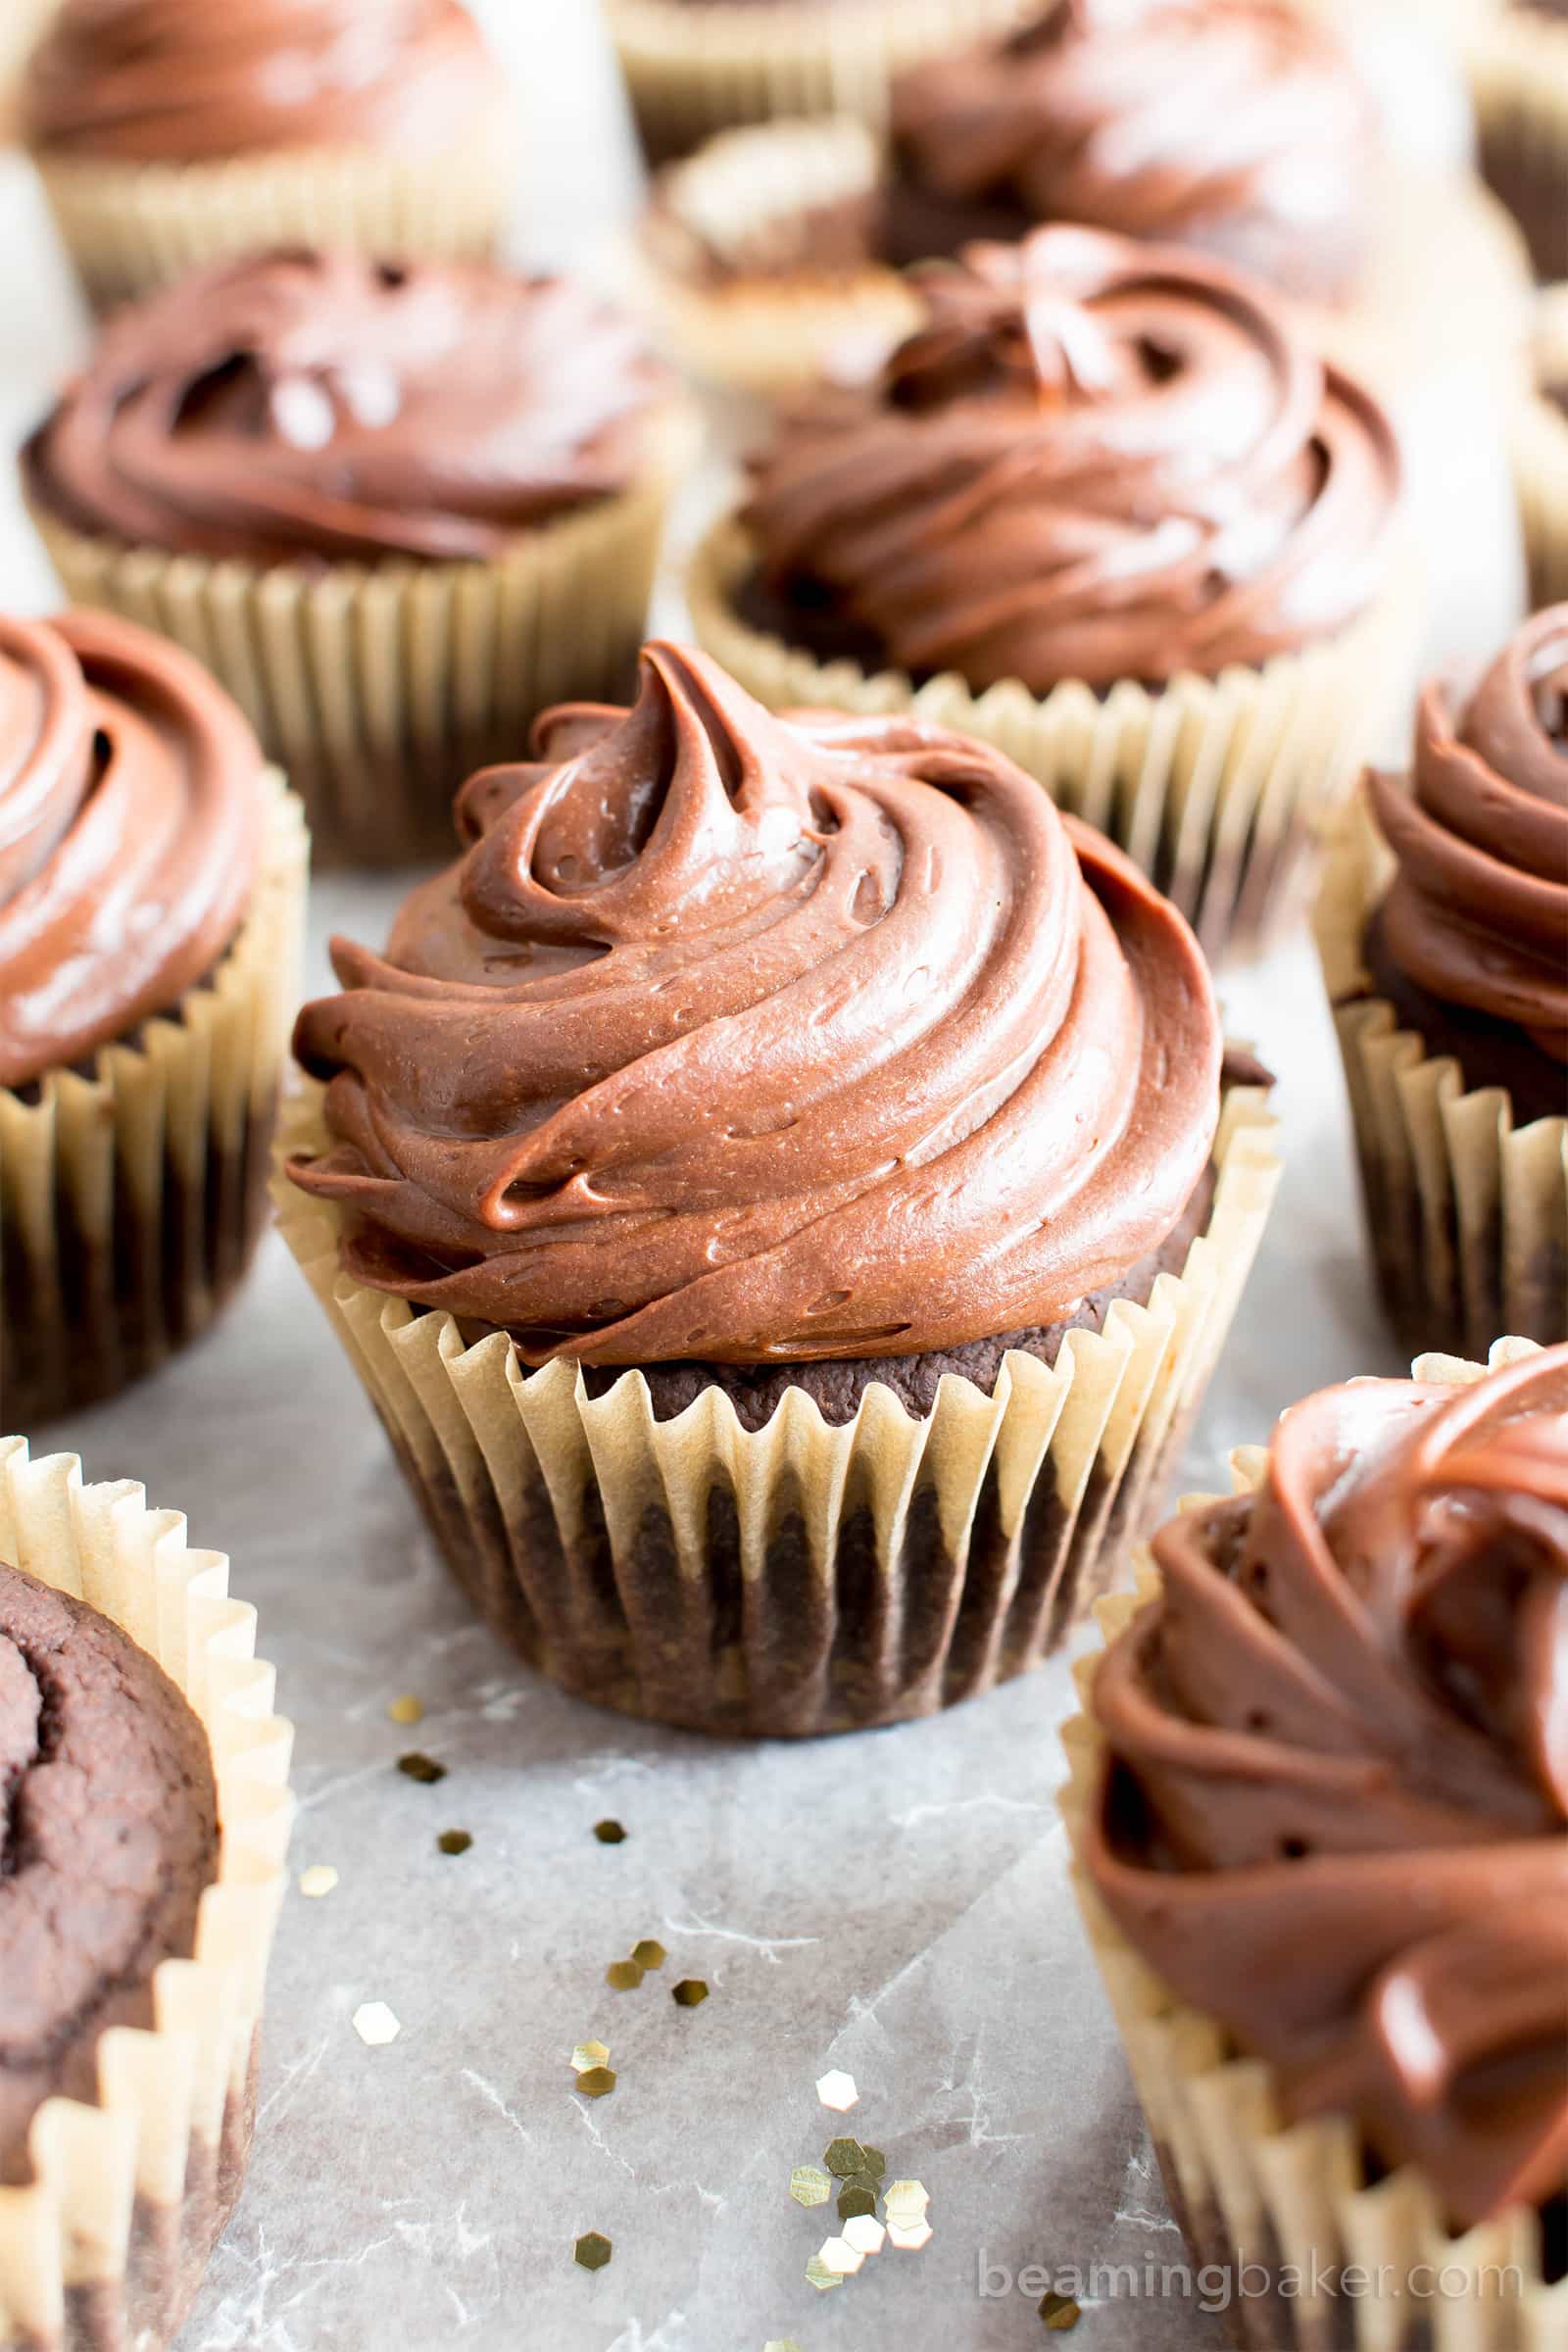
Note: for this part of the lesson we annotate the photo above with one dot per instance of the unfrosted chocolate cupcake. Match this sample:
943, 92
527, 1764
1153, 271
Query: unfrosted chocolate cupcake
763, 1134
170, 132
1321, 1807
151, 891
1444, 934
397, 507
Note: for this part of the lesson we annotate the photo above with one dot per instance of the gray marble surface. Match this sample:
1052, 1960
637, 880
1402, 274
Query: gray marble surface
895, 1905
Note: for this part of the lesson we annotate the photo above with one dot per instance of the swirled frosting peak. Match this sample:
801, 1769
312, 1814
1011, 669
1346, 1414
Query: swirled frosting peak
1237, 125
129, 833
1335, 1812
200, 81
753, 1039
297, 405
1478, 909
1097, 459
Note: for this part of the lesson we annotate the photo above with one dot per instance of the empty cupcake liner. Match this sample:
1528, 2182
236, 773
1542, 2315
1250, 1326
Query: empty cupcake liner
1214, 786
1272, 2211
1467, 1213
695, 66
132, 226
381, 688
1539, 448
802, 1577
132, 1192
107, 2244
1518, 65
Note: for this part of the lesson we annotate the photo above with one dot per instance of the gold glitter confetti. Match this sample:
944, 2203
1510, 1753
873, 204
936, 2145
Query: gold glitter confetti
422, 1768
844, 2157
376, 2025
587, 2054
624, 1976
690, 1992
648, 1953
406, 1708
591, 2250
454, 1841
595, 2082
320, 1879
873, 2161
819, 2275
1059, 2313
864, 2232
837, 2091
610, 1832
906, 2198
856, 2197
912, 2239
810, 2184
837, 2254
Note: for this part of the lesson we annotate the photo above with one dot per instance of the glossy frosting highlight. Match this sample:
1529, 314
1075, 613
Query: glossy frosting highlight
295, 404
129, 834
171, 82
1478, 909
1240, 126
1097, 459
1336, 1815
756, 1038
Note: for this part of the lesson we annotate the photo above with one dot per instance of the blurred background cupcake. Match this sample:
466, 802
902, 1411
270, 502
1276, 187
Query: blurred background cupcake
171, 132
398, 507
777, 1352
152, 884
1541, 452
1443, 933
1518, 57
1320, 1825
1107, 510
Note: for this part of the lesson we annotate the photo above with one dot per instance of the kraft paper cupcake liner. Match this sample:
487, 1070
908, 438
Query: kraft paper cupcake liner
132, 226
381, 688
132, 1192
1518, 68
1279, 2209
106, 2246
695, 70
1540, 447
1467, 1213
1214, 786
802, 1577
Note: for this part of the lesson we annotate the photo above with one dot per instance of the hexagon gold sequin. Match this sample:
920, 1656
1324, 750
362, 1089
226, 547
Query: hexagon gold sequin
406, 1708
591, 2250
837, 2254
906, 2198
856, 2197
648, 1952
318, 1880
864, 2232
587, 2054
844, 2157
624, 1976
909, 2238
836, 2089
810, 2184
1059, 2313
375, 2024
819, 2275
689, 1993
596, 2081
610, 1832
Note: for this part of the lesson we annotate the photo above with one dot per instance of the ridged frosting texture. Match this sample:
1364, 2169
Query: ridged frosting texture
200, 81
1336, 1815
129, 834
295, 404
108, 1836
750, 1039
1477, 912
1097, 459
1238, 125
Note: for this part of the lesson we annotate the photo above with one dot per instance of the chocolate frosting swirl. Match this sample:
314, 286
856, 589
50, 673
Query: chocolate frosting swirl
762, 1038
1478, 911
108, 1836
1336, 1815
199, 80
129, 833
1097, 460
295, 404
1237, 125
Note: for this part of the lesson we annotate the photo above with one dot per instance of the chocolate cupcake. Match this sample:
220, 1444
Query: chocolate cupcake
397, 509
1539, 441
1443, 933
170, 133
1518, 58
779, 1190
143, 1843
152, 885
1322, 1839
1106, 510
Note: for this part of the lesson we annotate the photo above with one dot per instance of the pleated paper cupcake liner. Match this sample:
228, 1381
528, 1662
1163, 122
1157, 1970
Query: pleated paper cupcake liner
1467, 1213
381, 688
107, 2244
1540, 446
132, 226
1215, 787
131, 1196
696, 69
1518, 65
1278, 2209
802, 1577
